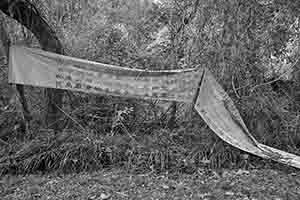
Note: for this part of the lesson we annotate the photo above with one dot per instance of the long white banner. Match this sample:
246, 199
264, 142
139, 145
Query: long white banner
44, 69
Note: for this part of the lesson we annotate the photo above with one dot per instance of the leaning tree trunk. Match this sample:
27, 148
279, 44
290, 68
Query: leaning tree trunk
26, 14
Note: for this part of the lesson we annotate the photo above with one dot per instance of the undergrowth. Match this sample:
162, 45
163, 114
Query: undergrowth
106, 131
74, 151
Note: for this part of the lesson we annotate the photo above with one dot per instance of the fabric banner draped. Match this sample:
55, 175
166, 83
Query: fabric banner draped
39, 68
35, 67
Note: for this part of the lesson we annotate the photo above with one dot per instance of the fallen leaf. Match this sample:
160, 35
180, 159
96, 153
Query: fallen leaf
204, 195
205, 161
229, 193
165, 187
241, 172
104, 196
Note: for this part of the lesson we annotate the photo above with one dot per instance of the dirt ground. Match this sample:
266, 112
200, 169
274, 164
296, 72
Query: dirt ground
121, 184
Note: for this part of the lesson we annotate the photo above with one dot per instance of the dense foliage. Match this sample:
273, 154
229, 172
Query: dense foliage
250, 46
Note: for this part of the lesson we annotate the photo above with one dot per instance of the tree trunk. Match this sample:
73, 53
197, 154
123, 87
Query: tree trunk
26, 14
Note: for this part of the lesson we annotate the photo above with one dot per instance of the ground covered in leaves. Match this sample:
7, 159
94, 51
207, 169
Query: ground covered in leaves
121, 184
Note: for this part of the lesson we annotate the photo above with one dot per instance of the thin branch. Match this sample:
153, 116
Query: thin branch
234, 89
242, 87
69, 116
3, 142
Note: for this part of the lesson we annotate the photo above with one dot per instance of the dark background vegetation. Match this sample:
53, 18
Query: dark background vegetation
252, 48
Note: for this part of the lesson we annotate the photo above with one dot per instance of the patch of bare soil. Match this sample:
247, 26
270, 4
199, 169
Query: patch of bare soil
121, 184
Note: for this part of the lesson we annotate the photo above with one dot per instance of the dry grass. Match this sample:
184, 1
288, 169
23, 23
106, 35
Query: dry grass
106, 131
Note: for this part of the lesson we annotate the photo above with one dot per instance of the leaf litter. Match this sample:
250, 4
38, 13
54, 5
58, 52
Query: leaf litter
121, 184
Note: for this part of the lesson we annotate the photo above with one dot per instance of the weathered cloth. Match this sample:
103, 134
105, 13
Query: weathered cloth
218, 111
39, 68
44, 69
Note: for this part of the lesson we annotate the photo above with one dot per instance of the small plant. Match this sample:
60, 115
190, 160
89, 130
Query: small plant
119, 118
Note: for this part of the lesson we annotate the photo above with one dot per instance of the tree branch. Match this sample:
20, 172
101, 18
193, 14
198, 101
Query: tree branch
26, 14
